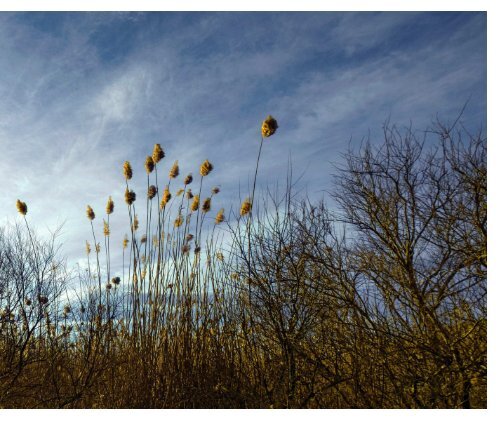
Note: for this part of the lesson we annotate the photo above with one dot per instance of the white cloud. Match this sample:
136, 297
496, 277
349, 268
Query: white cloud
122, 96
201, 87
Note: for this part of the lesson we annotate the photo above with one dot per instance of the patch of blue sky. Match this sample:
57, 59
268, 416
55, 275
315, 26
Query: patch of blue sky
82, 92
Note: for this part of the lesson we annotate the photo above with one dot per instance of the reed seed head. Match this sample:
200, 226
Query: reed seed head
188, 179
108, 286
87, 247
219, 217
127, 170
151, 192
269, 126
106, 229
144, 238
149, 165
67, 309
206, 168
206, 205
136, 223
220, 256
42, 299
179, 192
215, 190
174, 171
125, 241
110, 206
246, 207
165, 198
158, 153
129, 196
90, 213
21, 207
195, 204
197, 250
98, 248
178, 221
185, 248
27, 301
189, 194
116, 280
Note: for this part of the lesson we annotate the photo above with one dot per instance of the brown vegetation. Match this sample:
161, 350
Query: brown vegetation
377, 302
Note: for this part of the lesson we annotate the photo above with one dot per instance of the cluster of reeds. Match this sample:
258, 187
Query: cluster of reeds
272, 307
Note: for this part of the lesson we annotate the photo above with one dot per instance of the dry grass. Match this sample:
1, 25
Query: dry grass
380, 306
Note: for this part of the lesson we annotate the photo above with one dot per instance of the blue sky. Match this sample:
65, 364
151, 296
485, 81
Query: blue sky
82, 92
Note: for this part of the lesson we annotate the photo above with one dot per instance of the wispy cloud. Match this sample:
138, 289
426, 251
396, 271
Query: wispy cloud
81, 93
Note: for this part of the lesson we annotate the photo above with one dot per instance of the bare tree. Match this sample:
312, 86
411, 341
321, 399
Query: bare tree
32, 279
419, 217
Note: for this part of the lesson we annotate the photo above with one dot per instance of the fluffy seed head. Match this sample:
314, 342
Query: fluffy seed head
129, 196
110, 206
189, 195
136, 223
149, 165
151, 192
90, 213
197, 250
178, 221
206, 205
179, 192
205, 168
127, 170
219, 217
87, 247
195, 203
246, 207
215, 190
98, 248
21, 207
108, 286
269, 126
116, 280
67, 309
125, 241
106, 229
185, 248
220, 256
189, 237
166, 198
174, 171
42, 299
158, 153
188, 179
144, 238
27, 301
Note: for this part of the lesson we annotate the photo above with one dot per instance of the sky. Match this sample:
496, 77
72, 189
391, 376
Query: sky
80, 93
